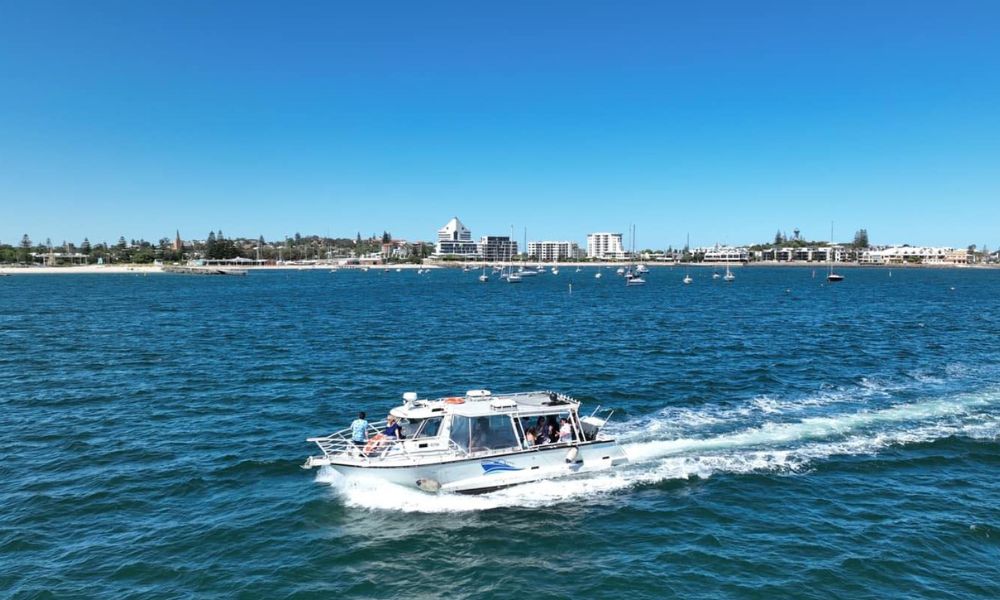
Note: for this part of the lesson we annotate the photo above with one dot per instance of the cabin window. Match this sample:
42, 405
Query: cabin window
460, 431
430, 428
493, 432
414, 429
545, 428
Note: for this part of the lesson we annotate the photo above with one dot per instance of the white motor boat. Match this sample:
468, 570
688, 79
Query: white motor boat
641, 269
597, 275
475, 443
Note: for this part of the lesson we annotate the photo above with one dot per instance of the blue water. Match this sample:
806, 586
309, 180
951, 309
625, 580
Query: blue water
789, 438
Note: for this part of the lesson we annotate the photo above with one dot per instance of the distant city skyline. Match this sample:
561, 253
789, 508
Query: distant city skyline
726, 120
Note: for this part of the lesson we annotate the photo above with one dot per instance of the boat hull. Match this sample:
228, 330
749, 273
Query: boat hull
488, 472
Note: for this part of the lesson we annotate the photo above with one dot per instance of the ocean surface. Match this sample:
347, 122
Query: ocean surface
788, 438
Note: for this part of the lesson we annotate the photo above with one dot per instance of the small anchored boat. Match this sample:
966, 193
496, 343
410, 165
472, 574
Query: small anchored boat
476, 443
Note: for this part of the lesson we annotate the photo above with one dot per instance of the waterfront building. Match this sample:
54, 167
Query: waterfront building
804, 254
725, 254
455, 239
398, 249
605, 246
497, 248
553, 251
928, 255
59, 258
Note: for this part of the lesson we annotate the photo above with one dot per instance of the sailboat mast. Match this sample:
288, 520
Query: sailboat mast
829, 253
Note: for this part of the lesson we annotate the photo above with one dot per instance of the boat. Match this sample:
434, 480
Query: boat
620, 271
832, 277
484, 277
729, 274
687, 266
632, 273
475, 443
641, 269
508, 274
578, 269
715, 275
597, 275
555, 270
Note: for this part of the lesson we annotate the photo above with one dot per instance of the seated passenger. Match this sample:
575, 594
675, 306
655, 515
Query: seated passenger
552, 429
481, 434
391, 432
392, 429
542, 432
529, 437
565, 431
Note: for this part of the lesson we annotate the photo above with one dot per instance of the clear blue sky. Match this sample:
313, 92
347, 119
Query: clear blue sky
727, 120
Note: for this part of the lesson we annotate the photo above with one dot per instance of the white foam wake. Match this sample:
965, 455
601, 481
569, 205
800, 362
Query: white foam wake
773, 446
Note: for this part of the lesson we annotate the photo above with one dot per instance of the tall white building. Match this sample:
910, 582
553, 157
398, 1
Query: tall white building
553, 251
605, 246
455, 239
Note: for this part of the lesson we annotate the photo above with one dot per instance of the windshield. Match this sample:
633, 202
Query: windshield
421, 428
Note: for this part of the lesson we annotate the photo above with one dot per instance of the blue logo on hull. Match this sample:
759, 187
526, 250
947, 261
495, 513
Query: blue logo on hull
495, 466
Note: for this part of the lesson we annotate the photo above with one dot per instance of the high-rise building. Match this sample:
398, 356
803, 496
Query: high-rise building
605, 246
455, 239
497, 248
553, 251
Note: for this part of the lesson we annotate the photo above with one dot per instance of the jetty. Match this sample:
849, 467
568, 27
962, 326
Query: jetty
188, 270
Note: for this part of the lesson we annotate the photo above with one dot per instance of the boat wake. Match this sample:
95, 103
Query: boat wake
715, 441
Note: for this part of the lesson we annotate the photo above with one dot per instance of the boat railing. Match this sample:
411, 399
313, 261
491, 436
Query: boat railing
376, 446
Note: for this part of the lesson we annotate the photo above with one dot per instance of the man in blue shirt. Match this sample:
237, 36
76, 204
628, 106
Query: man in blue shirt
359, 430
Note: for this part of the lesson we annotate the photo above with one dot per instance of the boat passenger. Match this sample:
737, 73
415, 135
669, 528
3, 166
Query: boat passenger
552, 429
529, 437
359, 430
542, 432
392, 430
481, 434
565, 431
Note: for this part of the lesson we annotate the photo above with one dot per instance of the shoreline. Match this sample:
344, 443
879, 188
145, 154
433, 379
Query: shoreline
158, 269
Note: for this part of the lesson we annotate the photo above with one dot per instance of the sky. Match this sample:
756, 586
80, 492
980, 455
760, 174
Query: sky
725, 120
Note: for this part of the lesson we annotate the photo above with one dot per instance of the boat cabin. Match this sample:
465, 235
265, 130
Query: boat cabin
474, 425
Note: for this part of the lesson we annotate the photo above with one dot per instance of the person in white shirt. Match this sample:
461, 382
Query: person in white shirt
565, 431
